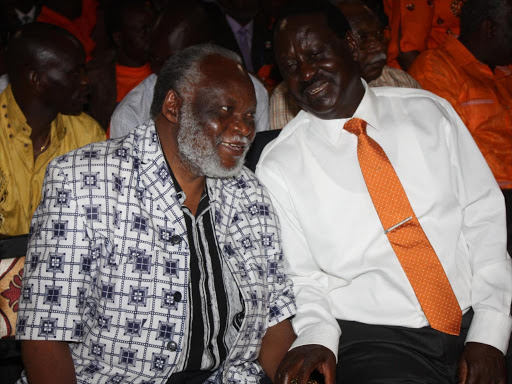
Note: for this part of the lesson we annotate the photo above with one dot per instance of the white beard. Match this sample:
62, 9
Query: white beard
197, 150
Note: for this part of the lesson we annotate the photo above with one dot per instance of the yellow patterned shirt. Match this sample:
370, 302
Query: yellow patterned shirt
20, 177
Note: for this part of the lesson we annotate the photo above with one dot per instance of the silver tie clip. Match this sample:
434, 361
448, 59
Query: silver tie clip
397, 225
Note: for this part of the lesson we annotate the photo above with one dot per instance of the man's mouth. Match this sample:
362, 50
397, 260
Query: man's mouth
236, 148
316, 88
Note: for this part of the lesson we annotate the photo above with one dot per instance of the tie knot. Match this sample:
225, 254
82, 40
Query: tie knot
355, 126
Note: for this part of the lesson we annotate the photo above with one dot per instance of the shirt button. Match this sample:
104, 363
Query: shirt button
175, 239
177, 297
10, 136
172, 346
26, 145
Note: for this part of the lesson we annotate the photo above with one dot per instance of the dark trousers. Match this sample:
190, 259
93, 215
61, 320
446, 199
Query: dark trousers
379, 354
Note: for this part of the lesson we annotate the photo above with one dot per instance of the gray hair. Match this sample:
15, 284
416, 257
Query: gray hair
181, 71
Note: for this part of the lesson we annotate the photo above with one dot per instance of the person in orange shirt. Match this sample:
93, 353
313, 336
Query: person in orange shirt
474, 73
130, 23
75, 16
417, 25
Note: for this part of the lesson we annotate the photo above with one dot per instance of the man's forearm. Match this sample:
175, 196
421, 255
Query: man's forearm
274, 346
48, 362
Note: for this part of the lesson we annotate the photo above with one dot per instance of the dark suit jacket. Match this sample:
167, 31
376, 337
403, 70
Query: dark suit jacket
225, 37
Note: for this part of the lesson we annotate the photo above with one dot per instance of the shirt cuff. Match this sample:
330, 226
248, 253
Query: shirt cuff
492, 328
325, 335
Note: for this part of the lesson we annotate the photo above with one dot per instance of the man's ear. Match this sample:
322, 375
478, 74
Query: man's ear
353, 46
36, 81
171, 106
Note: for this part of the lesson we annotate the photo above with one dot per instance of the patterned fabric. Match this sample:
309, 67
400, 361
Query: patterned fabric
403, 230
283, 108
109, 251
21, 177
214, 298
11, 271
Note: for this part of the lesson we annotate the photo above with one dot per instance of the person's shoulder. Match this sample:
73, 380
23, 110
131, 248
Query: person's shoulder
284, 147
411, 102
83, 127
97, 157
405, 94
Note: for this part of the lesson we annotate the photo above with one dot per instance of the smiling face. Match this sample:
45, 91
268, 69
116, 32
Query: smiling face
318, 66
217, 119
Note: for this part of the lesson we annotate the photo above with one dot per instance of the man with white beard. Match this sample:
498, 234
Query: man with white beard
157, 257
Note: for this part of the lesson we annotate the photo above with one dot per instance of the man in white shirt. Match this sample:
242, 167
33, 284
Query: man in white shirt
178, 27
349, 280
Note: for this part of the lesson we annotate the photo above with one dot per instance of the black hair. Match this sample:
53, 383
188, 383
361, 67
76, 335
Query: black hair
30, 44
336, 21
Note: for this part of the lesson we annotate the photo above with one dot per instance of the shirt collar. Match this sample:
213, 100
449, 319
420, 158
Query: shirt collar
236, 27
19, 122
367, 111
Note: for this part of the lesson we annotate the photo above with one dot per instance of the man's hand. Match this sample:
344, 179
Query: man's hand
481, 364
300, 362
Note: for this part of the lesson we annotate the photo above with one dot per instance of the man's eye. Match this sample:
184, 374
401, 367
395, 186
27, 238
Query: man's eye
291, 66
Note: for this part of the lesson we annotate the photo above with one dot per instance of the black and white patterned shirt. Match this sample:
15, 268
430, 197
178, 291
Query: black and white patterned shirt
108, 264
214, 298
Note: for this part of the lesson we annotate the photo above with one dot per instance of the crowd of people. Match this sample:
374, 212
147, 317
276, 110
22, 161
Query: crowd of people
256, 191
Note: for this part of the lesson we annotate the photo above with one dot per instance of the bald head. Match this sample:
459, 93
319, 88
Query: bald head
177, 28
37, 47
46, 65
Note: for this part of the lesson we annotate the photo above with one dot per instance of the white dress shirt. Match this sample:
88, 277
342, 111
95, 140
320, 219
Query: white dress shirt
135, 107
335, 249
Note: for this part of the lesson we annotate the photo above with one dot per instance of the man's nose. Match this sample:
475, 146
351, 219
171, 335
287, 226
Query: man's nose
242, 127
307, 70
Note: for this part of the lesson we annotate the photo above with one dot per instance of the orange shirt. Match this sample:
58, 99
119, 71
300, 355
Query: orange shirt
481, 97
80, 27
417, 25
128, 78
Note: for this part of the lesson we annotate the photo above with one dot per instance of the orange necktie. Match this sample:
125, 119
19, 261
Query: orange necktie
410, 244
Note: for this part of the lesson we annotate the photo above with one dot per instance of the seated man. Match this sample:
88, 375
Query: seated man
466, 72
41, 117
371, 51
157, 257
178, 27
393, 225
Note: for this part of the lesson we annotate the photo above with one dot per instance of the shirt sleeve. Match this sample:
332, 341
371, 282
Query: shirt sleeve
484, 230
281, 297
313, 322
59, 266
